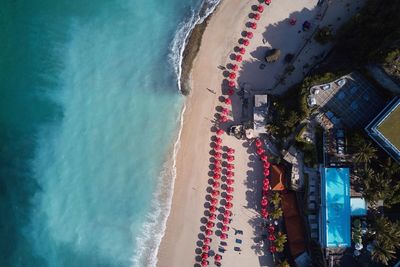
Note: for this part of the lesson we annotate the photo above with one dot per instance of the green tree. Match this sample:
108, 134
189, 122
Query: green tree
382, 253
276, 199
390, 167
280, 241
365, 154
277, 213
387, 239
283, 264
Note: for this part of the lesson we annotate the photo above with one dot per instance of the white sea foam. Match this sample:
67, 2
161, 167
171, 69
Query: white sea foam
181, 38
153, 229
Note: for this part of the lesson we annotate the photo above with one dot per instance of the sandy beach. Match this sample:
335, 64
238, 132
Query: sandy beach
181, 245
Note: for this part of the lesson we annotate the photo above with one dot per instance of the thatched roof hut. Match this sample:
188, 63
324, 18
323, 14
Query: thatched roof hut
272, 55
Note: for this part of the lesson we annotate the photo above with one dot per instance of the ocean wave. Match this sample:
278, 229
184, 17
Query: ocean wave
180, 40
153, 230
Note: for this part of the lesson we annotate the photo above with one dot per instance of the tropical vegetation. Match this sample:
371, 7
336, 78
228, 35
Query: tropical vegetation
280, 241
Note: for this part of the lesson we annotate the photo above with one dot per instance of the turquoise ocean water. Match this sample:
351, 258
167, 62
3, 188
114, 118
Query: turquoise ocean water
89, 114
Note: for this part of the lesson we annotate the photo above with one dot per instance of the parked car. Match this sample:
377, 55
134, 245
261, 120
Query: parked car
326, 86
341, 82
311, 101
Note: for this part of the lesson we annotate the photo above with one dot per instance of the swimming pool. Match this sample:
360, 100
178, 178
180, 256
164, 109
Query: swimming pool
335, 207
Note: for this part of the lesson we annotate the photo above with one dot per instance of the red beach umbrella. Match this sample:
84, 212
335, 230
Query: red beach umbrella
266, 172
231, 91
260, 8
230, 189
271, 237
264, 202
230, 167
225, 111
230, 158
224, 236
264, 158
265, 182
258, 143
212, 217
205, 248
232, 75
217, 147
229, 197
253, 25
217, 176
268, 2
228, 205
257, 16
223, 119
264, 213
217, 169
213, 201
238, 58
218, 257
235, 67
230, 181
249, 35
224, 228
217, 155
210, 224
231, 151
204, 263
212, 208
246, 42
260, 151
266, 165
217, 163
220, 132
209, 232
215, 193
207, 241
271, 229
242, 50
226, 220
230, 174
272, 249
266, 187
227, 213
231, 84
218, 140
216, 184
228, 101
204, 256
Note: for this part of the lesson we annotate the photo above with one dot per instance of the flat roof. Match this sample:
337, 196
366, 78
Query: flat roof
335, 207
390, 126
358, 206
384, 128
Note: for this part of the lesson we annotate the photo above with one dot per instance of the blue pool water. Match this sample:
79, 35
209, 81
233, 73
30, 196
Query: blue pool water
335, 196
89, 114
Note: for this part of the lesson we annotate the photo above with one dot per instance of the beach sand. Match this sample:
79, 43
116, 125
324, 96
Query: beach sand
181, 244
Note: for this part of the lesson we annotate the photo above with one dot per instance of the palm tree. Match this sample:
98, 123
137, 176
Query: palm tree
390, 167
276, 213
365, 154
276, 199
280, 241
387, 233
382, 253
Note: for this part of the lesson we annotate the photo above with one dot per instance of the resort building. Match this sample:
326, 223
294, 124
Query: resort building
260, 112
384, 129
277, 178
294, 224
343, 102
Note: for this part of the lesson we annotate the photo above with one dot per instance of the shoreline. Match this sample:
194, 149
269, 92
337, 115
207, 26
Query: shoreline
191, 51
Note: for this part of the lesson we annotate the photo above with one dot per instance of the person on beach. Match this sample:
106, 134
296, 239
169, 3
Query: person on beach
211, 91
